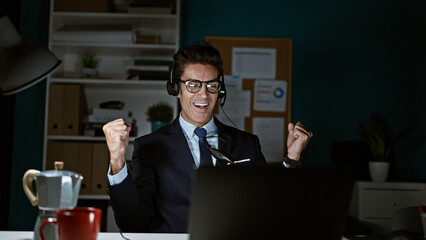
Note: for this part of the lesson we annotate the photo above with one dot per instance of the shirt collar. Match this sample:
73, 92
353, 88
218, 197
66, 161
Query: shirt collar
189, 128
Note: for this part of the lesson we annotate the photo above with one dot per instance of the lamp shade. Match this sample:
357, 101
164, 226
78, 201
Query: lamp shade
22, 64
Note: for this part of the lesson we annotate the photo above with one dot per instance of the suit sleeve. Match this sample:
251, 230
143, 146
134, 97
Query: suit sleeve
133, 200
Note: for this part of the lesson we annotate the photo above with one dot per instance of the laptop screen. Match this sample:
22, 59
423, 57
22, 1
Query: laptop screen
269, 203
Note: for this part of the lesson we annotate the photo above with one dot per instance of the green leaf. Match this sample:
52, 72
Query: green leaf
160, 111
89, 61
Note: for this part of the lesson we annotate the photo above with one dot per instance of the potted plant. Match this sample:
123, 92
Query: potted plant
159, 114
90, 64
375, 132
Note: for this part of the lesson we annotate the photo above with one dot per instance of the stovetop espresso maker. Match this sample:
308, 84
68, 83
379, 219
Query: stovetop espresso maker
56, 189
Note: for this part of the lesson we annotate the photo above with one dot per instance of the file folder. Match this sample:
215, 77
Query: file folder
55, 126
74, 109
77, 157
100, 161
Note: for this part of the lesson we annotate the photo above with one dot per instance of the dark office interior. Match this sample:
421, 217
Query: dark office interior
350, 59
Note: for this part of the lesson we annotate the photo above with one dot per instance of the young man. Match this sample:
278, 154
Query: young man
155, 197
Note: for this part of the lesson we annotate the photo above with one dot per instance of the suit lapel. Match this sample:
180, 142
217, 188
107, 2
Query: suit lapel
180, 144
225, 140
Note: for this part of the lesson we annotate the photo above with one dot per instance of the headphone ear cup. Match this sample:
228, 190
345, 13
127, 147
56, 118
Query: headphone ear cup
172, 88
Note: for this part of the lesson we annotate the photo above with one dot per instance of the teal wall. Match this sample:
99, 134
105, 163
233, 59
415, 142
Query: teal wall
350, 59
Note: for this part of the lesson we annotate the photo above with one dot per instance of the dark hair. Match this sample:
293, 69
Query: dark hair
197, 52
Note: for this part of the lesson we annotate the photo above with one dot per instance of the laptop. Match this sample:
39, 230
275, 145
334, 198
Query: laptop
230, 203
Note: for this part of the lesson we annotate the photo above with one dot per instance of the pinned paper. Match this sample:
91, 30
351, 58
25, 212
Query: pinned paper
271, 136
254, 62
233, 82
270, 95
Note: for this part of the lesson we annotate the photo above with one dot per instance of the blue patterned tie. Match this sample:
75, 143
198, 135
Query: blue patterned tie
205, 156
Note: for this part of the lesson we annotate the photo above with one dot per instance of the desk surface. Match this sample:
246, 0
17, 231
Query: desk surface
28, 235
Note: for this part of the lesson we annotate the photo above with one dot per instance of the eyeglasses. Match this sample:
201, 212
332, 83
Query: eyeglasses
194, 85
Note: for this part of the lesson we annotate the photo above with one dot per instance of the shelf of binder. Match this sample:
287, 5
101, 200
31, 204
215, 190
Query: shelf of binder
90, 159
67, 108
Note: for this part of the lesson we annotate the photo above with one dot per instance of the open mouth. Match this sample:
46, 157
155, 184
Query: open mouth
201, 105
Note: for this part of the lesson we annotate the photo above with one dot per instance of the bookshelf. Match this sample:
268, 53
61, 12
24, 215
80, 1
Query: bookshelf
110, 37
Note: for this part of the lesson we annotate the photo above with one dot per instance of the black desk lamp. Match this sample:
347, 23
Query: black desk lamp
22, 64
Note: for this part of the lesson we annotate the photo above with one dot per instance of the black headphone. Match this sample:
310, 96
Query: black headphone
173, 87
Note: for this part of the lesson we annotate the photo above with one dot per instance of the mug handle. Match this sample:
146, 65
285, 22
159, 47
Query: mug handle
27, 184
43, 225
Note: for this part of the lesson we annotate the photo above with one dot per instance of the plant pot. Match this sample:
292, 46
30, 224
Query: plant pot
378, 171
89, 73
156, 125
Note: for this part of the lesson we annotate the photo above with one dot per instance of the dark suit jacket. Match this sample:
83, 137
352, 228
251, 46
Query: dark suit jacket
155, 197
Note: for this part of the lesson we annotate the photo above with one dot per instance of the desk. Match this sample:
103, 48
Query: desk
28, 235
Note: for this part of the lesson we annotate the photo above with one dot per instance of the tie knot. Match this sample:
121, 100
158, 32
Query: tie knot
200, 132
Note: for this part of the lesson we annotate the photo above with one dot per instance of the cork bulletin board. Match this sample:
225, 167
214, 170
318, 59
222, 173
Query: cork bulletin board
283, 48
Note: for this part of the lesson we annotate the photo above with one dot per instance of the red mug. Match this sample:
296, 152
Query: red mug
82, 223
